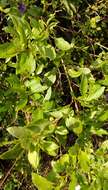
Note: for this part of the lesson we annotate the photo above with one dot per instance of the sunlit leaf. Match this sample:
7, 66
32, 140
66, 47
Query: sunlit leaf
62, 44
99, 132
41, 182
104, 116
96, 94
35, 85
33, 157
17, 21
50, 52
74, 74
73, 181
48, 94
26, 63
39, 69
9, 49
50, 147
51, 76
84, 161
104, 145
61, 130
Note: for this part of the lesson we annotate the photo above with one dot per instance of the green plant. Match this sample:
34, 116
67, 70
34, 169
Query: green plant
52, 100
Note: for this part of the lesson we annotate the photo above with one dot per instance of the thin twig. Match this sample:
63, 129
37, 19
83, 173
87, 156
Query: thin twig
9, 172
103, 47
71, 90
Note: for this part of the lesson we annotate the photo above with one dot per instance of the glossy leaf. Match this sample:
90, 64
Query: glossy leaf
33, 157
41, 182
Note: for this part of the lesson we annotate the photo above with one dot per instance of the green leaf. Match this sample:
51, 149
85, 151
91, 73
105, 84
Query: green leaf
41, 183
61, 112
104, 81
74, 74
26, 63
51, 76
47, 51
37, 114
35, 85
84, 161
50, 52
50, 147
105, 173
33, 157
84, 85
21, 103
38, 126
3, 109
19, 132
96, 94
9, 49
85, 70
19, 26
74, 124
60, 165
104, 116
94, 20
78, 128
98, 132
57, 114
70, 121
48, 94
73, 182
105, 185
104, 145
39, 69
12, 153
35, 11
61, 130
69, 7
62, 44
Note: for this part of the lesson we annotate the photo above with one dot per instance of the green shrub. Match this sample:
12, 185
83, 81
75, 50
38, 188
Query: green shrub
53, 94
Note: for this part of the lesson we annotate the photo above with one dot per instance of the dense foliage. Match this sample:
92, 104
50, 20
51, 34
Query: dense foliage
53, 94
